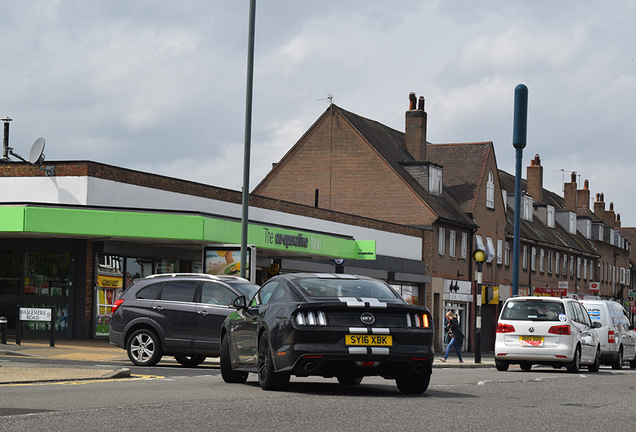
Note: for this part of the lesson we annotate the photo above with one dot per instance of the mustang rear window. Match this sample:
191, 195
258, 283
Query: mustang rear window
346, 288
533, 310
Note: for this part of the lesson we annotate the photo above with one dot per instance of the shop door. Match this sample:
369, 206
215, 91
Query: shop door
458, 309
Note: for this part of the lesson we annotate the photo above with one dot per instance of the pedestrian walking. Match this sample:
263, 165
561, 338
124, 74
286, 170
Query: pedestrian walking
456, 336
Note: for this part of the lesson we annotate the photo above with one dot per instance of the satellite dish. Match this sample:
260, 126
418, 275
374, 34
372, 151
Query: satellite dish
36, 155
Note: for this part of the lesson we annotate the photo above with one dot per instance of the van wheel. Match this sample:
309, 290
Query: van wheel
618, 363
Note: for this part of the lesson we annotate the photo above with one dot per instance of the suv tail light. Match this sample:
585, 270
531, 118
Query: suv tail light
560, 330
610, 336
505, 328
116, 305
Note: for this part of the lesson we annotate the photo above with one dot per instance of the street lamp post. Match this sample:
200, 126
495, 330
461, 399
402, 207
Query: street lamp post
479, 256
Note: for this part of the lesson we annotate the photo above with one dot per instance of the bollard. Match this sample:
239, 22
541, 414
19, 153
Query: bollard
3, 330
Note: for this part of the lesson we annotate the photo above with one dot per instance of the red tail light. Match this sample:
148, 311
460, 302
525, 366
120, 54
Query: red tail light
560, 330
116, 305
505, 328
610, 336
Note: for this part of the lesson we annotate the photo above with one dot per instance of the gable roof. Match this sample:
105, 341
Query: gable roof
390, 145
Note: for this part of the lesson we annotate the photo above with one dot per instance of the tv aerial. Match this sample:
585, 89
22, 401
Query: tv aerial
36, 154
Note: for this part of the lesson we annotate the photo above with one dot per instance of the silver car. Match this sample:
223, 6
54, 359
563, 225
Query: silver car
546, 331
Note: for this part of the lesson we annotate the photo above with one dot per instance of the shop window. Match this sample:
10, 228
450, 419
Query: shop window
46, 285
408, 292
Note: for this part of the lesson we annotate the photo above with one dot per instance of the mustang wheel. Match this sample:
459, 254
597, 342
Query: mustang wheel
268, 379
349, 380
576, 363
413, 384
190, 361
229, 375
144, 348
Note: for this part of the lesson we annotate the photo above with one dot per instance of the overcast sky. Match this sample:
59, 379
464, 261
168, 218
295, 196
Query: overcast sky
160, 86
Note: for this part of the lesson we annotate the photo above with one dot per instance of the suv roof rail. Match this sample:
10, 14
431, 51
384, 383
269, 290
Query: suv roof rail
204, 275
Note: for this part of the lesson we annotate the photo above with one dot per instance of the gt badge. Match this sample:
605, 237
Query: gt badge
367, 318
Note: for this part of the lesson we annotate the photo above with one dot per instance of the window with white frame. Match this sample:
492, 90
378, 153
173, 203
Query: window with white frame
578, 267
525, 257
557, 263
572, 225
504, 196
499, 251
434, 180
452, 243
591, 270
490, 250
533, 259
541, 260
490, 191
588, 229
585, 268
550, 216
565, 265
464, 245
550, 254
571, 265
441, 246
527, 207
507, 255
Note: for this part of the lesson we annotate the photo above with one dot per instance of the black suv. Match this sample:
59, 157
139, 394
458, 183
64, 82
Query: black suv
178, 314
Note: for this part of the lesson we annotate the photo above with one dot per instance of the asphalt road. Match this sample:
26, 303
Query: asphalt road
175, 398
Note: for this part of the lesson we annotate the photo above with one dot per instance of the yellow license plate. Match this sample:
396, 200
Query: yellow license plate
531, 340
369, 340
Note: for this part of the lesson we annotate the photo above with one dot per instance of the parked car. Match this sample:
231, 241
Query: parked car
618, 340
329, 325
177, 314
547, 331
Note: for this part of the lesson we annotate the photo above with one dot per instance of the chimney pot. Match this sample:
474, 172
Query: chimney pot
611, 206
412, 101
573, 177
586, 184
420, 105
602, 197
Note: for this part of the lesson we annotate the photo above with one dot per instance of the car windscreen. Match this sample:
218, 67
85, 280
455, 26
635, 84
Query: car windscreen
533, 310
246, 288
317, 287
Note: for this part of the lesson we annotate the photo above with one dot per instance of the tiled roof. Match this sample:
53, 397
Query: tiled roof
389, 143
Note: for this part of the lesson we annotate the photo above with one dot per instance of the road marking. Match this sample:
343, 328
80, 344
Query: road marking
87, 381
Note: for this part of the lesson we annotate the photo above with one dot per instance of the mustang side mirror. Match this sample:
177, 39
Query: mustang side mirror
240, 302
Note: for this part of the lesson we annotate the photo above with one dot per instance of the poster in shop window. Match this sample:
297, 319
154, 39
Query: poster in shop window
226, 260
109, 288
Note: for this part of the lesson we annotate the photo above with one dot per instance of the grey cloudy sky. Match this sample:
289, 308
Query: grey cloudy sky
160, 86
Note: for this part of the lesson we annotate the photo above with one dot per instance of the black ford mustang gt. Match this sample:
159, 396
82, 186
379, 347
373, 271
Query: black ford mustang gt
329, 325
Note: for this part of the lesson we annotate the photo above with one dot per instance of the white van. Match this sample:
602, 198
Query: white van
618, 340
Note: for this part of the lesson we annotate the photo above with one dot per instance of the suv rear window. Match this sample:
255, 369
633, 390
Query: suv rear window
532, 310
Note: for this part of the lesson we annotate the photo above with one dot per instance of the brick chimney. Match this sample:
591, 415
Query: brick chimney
569, 194
583, 195
610, 216
415, 131
599, 207
534, 184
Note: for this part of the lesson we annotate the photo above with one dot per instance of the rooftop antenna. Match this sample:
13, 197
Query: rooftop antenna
330, 99
563, 178
36, 154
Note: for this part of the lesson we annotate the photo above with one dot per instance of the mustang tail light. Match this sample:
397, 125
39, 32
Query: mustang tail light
505, 328
311, 318
610, 336
560, 330
116, 305
417, 320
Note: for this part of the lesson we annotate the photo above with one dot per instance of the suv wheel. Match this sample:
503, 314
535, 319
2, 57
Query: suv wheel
618, 363
268, 379
189, 361
144, 348
576, 362
229, 375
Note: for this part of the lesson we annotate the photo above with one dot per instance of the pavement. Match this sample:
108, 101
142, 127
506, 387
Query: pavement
100, 350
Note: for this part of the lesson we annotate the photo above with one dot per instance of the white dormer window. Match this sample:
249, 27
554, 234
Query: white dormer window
550, 216
435, 180
527, 207
572, 224
490, 191
588, 229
